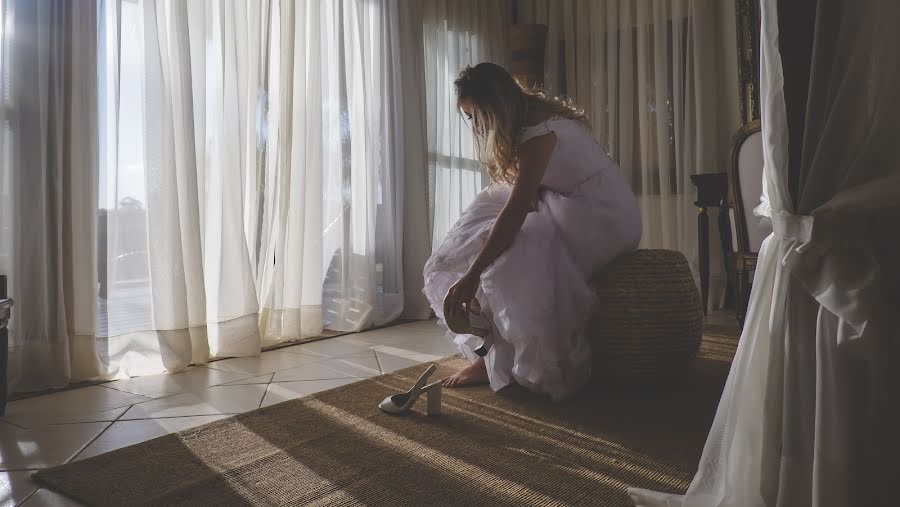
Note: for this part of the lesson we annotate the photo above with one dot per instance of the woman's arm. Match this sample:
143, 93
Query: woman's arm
534, 155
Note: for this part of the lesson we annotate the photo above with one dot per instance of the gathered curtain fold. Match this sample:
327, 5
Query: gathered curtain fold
811, 407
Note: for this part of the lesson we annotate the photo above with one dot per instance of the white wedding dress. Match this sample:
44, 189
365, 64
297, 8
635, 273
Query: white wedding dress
535, 297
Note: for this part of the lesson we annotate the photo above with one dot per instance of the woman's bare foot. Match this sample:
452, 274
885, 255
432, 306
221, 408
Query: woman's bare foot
475, 373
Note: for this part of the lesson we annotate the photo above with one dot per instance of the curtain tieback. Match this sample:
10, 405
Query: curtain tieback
834, 263
795, 228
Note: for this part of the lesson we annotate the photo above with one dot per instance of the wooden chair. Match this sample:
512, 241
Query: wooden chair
745, 185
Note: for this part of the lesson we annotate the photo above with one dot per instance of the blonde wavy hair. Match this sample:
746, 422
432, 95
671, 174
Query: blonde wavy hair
500, 109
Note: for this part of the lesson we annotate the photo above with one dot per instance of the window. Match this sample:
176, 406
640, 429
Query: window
124, 303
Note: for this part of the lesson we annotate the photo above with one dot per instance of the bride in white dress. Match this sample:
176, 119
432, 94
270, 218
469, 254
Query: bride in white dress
517, 262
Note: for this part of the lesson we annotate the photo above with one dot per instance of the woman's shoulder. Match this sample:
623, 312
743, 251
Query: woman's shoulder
551, 123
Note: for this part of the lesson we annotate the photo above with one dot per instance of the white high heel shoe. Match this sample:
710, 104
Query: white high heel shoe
460, 324
402, 402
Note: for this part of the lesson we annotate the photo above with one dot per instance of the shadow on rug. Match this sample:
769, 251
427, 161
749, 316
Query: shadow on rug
510, 448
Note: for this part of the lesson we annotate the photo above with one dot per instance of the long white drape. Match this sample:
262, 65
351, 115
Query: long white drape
810, 411
654, 81
181, 137
261, 176
343, 136
457, 33
48, 154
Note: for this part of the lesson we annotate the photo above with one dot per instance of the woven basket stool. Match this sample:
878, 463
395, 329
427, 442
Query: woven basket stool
648, 321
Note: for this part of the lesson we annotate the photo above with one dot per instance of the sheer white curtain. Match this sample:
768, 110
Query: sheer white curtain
810, 411
274, 172
345, 166
179, 132
456, 33
651, 76
254, 172
48, 156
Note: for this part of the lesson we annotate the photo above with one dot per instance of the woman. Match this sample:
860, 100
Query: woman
518, 260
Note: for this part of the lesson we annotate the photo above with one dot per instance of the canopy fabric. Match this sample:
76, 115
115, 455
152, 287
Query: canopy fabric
809, 414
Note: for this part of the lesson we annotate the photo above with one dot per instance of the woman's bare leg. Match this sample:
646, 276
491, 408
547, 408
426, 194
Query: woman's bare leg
475, 373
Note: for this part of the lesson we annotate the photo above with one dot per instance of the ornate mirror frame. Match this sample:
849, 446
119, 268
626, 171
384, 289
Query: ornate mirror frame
747, 18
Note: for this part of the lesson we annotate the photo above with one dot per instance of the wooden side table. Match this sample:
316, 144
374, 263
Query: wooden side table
5, 307
712, 192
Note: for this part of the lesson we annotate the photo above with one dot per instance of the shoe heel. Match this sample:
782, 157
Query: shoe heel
483, 349
433, 398
391, 406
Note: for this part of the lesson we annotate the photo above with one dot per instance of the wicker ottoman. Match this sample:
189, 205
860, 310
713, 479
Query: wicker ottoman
649, 319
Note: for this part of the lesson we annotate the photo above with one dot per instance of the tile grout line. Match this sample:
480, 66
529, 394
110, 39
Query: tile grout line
70, 423
218, 369
313, 355
227, 414
230, 382
29, 496
14, 424
126, 392
350, 377
110, 425
317, 358
147, 419
186, 391
263, 397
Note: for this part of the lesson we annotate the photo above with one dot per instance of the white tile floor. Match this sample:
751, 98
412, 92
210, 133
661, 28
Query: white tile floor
70, 425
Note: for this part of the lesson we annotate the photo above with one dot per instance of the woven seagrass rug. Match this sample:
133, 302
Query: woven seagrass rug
510, 448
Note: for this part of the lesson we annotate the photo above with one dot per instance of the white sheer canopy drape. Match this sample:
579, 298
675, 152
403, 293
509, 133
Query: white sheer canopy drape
653, 78
810, 411
456, 33
254, 172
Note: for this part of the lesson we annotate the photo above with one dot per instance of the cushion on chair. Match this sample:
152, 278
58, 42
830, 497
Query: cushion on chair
648, 321
750, 173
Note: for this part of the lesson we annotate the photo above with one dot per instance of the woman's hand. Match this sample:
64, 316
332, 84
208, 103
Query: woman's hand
460, 299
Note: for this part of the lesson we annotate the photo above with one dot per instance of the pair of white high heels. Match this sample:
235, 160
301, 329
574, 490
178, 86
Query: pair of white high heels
460, 324
402, 402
